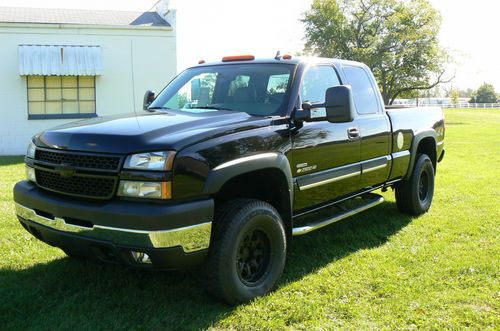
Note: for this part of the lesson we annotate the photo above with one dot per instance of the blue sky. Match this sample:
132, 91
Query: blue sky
212, 29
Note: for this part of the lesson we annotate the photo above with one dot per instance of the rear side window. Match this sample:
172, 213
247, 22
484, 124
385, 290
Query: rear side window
365, 96
314, 85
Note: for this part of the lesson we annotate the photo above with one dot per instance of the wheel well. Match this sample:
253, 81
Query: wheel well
269, 185
428, 146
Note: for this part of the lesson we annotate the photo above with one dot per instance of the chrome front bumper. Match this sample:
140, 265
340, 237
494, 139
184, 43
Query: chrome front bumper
191, 238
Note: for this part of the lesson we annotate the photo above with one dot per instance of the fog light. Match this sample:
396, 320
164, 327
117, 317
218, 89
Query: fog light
30, 174
140, 257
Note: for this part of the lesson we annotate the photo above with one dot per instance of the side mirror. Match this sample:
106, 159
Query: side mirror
339, 105
149, 96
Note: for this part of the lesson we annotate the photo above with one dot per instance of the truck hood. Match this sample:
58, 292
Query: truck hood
165, 130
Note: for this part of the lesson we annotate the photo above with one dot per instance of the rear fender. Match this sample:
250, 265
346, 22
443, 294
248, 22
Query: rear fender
414, 147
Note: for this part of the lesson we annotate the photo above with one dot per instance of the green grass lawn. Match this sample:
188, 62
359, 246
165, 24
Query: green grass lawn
377, 270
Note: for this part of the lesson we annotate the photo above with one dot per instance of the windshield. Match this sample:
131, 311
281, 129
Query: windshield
257, 89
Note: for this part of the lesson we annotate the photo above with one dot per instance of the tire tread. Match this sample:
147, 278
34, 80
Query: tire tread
223, 229
406, 198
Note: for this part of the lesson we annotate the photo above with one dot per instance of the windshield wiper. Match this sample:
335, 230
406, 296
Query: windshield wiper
212, 107
157, 107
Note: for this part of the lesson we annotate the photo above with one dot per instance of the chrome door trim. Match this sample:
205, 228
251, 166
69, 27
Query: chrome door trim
375, 164
366, 170
331, 180
400, 154
328, 176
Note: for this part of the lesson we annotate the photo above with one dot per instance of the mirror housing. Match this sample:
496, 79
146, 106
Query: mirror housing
149, 96
339, 104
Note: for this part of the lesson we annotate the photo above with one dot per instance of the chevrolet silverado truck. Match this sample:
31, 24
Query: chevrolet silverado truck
225, 166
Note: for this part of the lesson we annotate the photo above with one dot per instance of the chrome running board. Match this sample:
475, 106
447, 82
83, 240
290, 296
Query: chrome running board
370, 201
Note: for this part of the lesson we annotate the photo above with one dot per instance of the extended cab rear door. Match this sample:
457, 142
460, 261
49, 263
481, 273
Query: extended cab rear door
374, 126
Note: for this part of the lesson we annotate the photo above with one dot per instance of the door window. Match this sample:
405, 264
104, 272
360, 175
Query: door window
315, 82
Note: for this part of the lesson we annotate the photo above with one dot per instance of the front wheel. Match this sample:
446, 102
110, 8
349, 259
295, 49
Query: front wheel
414, 196
248, 251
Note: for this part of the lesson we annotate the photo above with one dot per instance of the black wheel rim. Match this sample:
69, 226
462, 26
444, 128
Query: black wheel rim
253, 256
423, 186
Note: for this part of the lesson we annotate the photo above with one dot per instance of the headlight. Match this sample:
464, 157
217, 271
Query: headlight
150, 190
31, 150
150, 161
30, 174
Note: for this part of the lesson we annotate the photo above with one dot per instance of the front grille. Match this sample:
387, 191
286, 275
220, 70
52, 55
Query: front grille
110, 163
92, 187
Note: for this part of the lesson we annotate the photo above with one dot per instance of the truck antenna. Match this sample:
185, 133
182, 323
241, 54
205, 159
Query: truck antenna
133, 81
278, 55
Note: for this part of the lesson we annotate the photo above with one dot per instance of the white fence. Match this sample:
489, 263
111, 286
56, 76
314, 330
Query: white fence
473, 105
464, 105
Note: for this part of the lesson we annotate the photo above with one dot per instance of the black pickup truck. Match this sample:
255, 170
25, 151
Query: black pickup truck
228, 163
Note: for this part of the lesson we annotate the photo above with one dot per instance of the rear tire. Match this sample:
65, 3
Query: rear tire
247, 252
414, 195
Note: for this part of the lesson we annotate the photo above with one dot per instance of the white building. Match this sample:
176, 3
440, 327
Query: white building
59, 65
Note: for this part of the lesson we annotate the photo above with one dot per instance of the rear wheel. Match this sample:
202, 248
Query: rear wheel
248, 250
414, 196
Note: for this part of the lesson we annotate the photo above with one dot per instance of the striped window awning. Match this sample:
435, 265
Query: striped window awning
60, 60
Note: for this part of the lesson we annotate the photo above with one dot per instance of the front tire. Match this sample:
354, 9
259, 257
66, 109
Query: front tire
248, 251
414, 196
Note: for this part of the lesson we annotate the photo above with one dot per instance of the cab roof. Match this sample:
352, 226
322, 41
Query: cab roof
296, 60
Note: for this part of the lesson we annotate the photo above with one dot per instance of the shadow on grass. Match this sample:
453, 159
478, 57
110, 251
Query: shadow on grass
69, 293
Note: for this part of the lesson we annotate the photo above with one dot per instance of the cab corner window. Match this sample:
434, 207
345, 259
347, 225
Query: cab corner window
364, 94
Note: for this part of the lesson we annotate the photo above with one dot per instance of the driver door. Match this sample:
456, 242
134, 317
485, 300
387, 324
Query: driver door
325, 156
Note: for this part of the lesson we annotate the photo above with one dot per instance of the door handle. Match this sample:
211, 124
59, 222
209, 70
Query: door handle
353, 133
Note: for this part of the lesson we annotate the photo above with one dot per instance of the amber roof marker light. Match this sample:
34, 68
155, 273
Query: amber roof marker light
245, 57
201, 61
278, 56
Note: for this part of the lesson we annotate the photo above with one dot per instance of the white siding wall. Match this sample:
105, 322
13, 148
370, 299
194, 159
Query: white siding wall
154, 63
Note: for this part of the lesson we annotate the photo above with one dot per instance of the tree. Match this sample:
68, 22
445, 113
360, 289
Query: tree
466, 93
484, 94
397, 39
454, 95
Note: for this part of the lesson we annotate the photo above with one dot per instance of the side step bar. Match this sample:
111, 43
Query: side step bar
371, 201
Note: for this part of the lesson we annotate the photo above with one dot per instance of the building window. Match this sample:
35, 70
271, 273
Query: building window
61, 97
